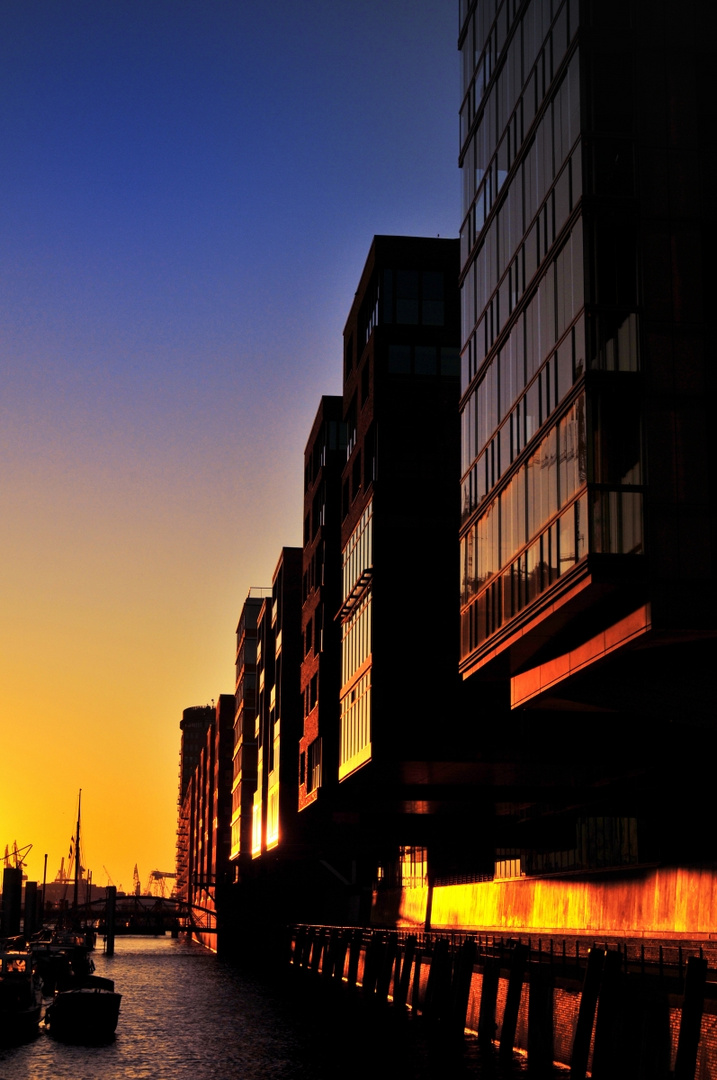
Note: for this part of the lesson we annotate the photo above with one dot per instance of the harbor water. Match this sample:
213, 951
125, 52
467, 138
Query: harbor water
187, 1015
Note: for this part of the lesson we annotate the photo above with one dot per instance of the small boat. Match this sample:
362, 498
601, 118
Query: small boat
20, 996
60, 959
86, 1011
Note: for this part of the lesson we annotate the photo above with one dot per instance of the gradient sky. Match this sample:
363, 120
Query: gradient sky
188, 192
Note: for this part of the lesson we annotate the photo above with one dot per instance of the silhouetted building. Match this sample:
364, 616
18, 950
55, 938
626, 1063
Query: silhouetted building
278, 714
244, 771
204, 833
587, 495
400, 692
324, 459
194, 725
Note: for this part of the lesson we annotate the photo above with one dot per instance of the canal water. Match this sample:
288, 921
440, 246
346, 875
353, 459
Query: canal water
186, 1015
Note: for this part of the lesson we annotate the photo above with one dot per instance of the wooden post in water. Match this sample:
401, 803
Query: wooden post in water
400, 997
651, 1058
608, 1057
354, 957
461, 987
416, 993
691, 1022
586, 1014
30, 911
384, 967
439, 980
518, 961
111, 902
540, 1021
488, 998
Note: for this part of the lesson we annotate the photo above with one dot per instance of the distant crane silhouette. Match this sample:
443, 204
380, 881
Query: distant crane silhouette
157, 881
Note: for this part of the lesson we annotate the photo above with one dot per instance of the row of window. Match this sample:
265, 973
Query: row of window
534, 55
403, 298
551, 554
546, 482
599, 842
542, 161
332, 437
313, 575
355, 744
489, 299
358, 553
240, 754
311, 776
356, 639
317, 515
312, 632
272, 816
555, 304
422, 360
488, 157
532, 410
608, 521
482, 36
412, 297
311, 694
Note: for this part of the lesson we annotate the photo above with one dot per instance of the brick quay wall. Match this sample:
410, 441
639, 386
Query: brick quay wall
628, 1009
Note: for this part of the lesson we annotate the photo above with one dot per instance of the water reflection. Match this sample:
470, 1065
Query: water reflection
187, 1016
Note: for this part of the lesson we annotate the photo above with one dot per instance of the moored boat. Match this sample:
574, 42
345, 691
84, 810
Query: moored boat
20, 996
86, 1011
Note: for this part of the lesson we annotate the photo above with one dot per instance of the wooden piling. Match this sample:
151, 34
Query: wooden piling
488, 998
518, 961
608, 1057
439, 981
540, 1021
653, 1038
461, 986
354, 957
385, 967
691, 1021
342, 944
372, 963
400, 996
586, 1014
416, 991
110, 909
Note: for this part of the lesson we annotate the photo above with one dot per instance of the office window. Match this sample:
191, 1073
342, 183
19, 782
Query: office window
407, 297
399, 359
355, 743
313, 778
432, 304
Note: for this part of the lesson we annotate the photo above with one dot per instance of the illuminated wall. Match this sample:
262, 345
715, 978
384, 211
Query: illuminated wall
670, 900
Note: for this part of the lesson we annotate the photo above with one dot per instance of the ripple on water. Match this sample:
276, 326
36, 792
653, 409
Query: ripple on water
187, 1016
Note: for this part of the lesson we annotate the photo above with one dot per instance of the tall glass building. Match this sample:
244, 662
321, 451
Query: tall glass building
587, 154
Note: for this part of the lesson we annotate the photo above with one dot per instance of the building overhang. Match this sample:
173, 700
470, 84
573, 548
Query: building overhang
541, 680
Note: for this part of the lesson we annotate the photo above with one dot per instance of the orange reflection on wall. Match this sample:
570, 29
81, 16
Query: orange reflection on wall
675, 900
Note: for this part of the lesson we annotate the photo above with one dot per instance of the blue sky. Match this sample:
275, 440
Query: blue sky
187, 197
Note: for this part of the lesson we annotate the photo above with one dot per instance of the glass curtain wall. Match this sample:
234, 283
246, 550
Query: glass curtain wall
536, 495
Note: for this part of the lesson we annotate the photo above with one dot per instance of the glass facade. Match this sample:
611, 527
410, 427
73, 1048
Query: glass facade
355, 742
548, 298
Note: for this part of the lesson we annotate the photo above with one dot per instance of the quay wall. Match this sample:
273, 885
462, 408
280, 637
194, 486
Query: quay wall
669, 901
377, 969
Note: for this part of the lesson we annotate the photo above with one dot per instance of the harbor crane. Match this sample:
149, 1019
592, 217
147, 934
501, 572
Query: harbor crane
156, 886
17, 855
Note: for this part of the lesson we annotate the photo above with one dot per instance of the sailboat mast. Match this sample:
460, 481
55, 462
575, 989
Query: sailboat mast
77, 853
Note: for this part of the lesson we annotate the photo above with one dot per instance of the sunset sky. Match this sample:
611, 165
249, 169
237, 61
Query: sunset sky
188, 193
